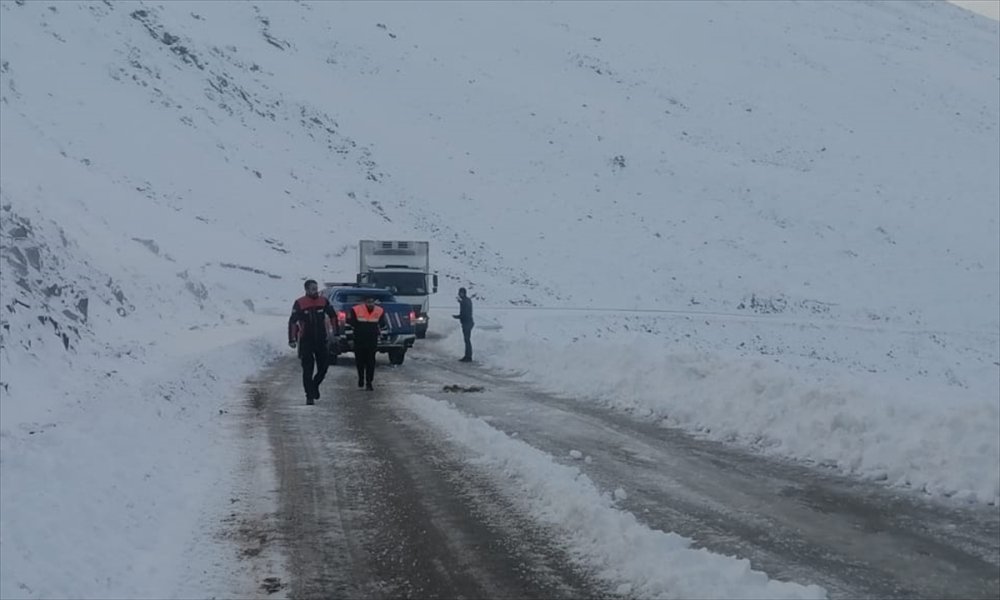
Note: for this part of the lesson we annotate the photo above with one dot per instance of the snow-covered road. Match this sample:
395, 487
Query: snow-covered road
371, 508
417, 491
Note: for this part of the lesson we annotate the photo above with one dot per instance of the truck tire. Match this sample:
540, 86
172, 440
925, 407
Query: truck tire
421, 334
396, 357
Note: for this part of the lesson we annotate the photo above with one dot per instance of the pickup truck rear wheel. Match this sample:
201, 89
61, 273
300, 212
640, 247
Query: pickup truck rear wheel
396, 357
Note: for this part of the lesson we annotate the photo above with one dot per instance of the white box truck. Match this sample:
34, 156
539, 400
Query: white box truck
405, 268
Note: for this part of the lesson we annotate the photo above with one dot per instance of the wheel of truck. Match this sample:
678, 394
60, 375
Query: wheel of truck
396, 357
333, 358
421, 334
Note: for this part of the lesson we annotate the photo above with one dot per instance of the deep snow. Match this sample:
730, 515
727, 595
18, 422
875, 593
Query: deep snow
810, 188
851, 407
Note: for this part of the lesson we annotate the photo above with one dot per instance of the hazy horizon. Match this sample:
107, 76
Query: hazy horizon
988, 8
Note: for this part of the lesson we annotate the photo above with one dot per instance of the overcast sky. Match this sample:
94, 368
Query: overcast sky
990, 8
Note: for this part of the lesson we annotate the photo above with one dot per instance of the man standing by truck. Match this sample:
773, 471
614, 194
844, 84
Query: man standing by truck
312, 319
368, 320
464, 316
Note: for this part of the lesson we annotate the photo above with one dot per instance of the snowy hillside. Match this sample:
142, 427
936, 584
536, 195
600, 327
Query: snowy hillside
808, 192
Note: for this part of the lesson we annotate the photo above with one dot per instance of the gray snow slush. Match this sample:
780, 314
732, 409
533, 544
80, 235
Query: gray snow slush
371, 508
375, 505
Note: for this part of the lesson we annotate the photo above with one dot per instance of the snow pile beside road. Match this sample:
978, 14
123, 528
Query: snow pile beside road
870, 418
633, 558
105, 495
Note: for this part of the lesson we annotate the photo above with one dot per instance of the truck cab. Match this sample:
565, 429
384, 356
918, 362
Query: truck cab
403, 267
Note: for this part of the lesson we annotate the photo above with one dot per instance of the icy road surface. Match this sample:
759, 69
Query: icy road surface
399, 493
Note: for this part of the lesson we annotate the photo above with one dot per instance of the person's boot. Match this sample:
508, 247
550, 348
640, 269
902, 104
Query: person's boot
369, 387
361, 381
465, 359
309, 400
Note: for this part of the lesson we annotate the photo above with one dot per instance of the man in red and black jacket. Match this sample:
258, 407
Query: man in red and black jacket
312, 319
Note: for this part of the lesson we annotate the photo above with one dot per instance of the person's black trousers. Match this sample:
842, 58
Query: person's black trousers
365, 360
467, 334
313, 355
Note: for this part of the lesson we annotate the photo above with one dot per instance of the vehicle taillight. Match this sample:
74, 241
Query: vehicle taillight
413, 317
342, 317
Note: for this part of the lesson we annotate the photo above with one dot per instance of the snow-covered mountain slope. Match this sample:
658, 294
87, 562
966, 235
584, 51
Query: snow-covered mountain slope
821, 175
840, 157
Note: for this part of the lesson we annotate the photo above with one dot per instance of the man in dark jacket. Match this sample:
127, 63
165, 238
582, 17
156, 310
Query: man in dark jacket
312, 319
368, 320
464, 316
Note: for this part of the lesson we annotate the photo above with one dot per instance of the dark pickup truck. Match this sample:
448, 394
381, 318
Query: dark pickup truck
394, 341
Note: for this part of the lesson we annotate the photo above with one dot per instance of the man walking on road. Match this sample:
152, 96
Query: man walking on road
368, 321
465, 318
312, 319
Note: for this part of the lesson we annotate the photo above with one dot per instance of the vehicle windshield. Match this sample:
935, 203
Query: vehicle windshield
406, 284
358, 298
